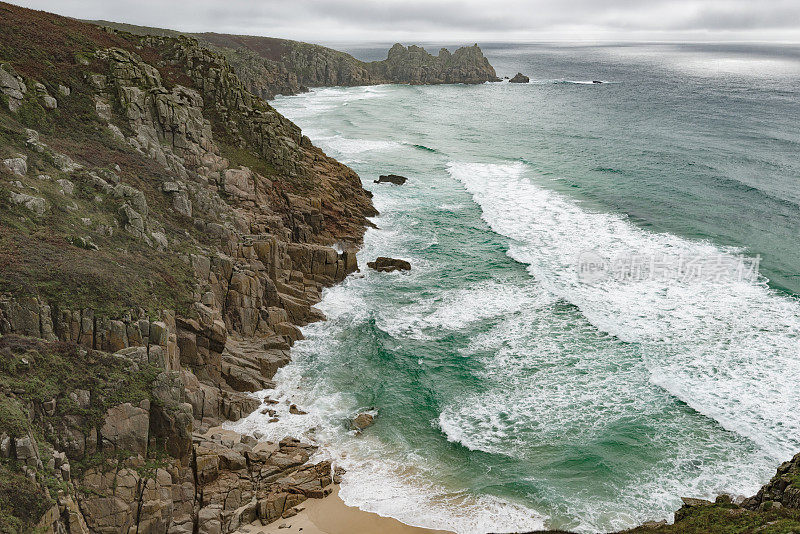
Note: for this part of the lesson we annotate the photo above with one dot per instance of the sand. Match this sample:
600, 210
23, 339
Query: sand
332, 516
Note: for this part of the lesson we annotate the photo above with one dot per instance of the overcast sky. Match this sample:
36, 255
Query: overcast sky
450, 20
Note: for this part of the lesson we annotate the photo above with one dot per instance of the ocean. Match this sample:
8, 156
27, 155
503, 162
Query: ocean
601, 315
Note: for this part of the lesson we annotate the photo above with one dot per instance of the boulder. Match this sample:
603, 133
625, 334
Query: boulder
17, 166
519, 78
386, 265
395, 179
37, 205
362, 421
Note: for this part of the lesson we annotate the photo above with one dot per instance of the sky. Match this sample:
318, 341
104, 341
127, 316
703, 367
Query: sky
450, 20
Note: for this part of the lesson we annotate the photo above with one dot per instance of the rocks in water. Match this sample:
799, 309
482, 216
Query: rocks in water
362, 421
414, 65
387, 265
596, 81
519, 78
395, 179
294, 410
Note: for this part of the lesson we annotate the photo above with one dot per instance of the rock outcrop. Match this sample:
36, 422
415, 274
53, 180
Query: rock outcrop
782, 491
414, 65
383, 264
519, 78
163, 234
395, 179
270, 66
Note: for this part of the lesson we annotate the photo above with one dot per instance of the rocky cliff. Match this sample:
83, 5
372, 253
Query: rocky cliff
163, 232
270, 66
414, 65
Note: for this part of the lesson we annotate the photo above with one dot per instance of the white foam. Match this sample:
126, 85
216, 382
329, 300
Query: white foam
730, 350
545, 377
380, 477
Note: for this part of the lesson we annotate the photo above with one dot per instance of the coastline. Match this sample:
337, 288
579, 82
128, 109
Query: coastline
330, 515
165, 384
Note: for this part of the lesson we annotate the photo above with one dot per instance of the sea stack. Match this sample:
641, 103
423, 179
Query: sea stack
519, 78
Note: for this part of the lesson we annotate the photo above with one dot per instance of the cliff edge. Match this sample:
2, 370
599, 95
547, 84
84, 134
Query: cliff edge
163, 233
269, 66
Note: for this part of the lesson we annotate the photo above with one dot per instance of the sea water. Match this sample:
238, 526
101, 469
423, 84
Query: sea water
512, 392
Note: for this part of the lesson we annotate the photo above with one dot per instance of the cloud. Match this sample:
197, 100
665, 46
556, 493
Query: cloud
439, 20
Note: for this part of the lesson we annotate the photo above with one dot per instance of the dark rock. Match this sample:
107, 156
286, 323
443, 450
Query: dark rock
519, 78
783, 489
362, 421
391, 178
294, 410
386, 265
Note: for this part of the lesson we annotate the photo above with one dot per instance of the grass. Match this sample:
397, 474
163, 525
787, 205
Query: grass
22, 502
730, 519
40, 256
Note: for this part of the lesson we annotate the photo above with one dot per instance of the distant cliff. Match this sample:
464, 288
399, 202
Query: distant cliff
163, 233
414, 65
270, 66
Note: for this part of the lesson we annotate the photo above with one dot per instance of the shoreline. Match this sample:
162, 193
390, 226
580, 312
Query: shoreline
330, 515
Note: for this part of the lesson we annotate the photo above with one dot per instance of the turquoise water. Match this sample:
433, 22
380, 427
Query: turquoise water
511, 392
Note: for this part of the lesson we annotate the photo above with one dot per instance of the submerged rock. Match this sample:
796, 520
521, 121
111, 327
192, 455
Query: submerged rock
395, 179
387, 265
519, 78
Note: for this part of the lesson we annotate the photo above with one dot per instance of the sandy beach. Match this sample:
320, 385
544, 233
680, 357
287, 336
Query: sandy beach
332, 516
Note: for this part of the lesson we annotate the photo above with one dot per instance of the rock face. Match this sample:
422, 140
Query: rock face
12, 86
414, 65
519, 78
188, 230
387, 265
270, 66
783, 490
395, 179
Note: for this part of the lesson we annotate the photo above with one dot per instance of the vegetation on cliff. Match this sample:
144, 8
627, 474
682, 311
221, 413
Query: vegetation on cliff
163, 231
271, 66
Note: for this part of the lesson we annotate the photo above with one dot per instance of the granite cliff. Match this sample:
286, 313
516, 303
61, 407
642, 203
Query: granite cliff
270, 66
163, 232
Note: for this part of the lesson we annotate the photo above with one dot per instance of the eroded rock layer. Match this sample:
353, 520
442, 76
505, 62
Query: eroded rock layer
163, 233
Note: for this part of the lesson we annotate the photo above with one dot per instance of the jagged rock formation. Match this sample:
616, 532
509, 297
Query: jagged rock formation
414, 65
270, 66
163, 233
782, 491
519, 78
